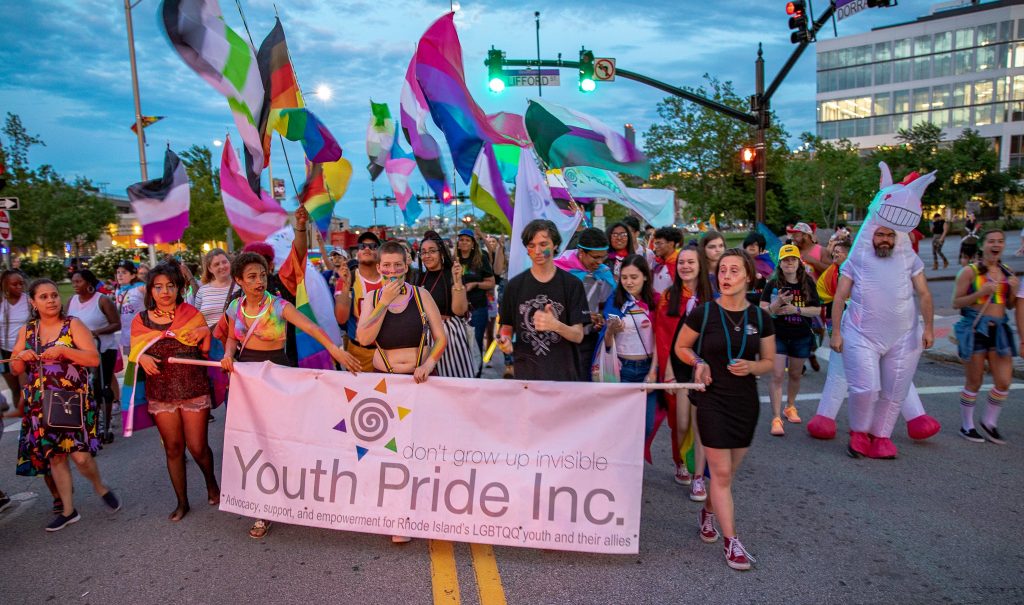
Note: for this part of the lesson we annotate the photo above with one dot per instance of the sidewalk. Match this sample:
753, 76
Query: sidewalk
945, 351
952, 251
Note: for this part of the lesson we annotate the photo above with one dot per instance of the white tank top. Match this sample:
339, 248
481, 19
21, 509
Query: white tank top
12, 318
90, 314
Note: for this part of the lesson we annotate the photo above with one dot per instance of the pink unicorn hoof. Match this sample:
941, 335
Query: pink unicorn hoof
922, 427
882, 448
860, 444
822, 427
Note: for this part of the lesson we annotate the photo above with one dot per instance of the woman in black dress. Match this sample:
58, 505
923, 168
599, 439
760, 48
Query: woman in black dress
728, 342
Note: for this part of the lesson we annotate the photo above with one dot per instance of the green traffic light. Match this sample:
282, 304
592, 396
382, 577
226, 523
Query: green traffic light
496, 85
587, 85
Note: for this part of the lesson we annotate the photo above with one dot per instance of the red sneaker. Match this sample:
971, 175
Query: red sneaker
683, 475
736, 556
708, 533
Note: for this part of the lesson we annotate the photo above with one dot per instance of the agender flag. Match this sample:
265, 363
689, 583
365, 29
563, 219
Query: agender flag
253, 215
161, 205
197, 31
563, 137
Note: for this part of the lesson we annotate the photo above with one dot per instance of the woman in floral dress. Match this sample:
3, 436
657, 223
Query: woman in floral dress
55, 350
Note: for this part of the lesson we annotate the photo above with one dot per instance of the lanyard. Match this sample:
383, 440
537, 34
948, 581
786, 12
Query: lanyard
728, 339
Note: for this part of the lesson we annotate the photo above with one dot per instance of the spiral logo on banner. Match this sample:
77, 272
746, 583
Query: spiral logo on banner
570, 175
369, 419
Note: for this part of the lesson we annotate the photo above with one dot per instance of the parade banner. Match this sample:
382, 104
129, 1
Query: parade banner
533, 464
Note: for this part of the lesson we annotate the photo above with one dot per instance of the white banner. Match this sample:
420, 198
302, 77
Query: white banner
535, 464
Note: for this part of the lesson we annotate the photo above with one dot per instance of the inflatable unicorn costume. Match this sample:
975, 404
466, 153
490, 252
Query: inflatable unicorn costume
881, 333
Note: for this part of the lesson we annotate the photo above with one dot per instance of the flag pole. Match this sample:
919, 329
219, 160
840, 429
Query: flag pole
138, 107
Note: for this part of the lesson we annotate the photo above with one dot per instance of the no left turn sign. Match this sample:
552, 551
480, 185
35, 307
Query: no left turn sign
604, 69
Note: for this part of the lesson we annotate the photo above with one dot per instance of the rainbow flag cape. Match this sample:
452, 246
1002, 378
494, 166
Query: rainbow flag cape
253, 216
413, 112
197, 31
564, 137
188, 328
325, 185
299, 124
281, 90
443, 82
298, 278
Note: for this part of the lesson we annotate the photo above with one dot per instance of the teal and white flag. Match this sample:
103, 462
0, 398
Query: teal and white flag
587, 182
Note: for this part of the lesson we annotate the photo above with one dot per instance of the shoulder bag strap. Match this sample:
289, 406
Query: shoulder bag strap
227, 297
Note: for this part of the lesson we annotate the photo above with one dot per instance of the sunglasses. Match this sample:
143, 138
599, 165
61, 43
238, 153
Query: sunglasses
368, 246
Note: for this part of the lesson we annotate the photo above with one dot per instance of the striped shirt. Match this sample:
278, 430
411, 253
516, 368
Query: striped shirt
211, 300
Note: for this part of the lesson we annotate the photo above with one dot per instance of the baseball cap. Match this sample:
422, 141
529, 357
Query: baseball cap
789, 250
801, 228
467, 233
365, 235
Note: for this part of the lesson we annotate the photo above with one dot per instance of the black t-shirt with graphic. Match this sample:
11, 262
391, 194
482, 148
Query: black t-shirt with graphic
804, 295
544, 355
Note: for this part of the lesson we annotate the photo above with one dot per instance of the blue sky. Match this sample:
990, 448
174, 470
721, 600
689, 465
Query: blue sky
64, 69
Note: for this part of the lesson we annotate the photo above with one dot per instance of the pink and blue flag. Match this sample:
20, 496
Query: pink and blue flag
443, 82
253, 216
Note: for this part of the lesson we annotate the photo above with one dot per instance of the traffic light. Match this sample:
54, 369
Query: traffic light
495, 73
587, 83
797, 11
747, 157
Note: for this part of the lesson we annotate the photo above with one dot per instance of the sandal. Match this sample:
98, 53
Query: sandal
259, 529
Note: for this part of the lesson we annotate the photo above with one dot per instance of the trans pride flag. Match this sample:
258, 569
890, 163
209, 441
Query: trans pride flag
161, 205
440, 75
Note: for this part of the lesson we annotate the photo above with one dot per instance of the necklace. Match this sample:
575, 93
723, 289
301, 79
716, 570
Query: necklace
728, 339
736, 326
263, 307
164, 314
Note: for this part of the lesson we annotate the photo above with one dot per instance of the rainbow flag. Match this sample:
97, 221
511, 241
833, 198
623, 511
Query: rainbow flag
197, 31
281, 90
443, 82
188, 327
325, 185
299, 124
147, 121
412, 115
294, 274
563, 137
253, 216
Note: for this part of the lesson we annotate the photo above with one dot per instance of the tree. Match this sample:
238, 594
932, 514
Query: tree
207, 219
52, 211
971, 170
825, 177
489, 224
695, 150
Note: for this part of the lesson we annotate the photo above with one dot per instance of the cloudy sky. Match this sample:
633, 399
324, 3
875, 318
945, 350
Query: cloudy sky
64, 69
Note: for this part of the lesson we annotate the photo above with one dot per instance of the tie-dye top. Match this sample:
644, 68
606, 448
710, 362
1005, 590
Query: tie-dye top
272, 326
1002, 293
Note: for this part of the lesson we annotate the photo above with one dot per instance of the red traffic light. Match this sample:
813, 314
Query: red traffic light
790, 8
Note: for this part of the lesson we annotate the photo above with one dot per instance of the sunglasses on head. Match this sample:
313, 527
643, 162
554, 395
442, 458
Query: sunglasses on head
368, 246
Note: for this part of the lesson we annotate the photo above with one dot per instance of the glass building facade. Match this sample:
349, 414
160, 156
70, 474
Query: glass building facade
955, 69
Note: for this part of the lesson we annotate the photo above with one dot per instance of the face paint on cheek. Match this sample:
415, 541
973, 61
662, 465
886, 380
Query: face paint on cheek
546, 252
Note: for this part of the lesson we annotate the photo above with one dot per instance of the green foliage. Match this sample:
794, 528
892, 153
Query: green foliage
53, 211
1012, 223
824, 178
489, 224
695, 150
207, 219
50, 267
614, 213
105, 261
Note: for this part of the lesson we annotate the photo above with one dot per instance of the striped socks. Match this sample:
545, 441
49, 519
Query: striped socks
967, 399
995, 405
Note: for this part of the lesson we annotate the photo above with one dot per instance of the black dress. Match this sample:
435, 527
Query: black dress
727, 410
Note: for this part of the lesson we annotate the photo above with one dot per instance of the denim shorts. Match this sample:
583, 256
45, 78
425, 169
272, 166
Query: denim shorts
800, 347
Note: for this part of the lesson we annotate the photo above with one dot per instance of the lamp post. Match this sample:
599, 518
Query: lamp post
138, 106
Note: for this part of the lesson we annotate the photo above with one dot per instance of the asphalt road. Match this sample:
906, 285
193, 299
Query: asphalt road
939, 524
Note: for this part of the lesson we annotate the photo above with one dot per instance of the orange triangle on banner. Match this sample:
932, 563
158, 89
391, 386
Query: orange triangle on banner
382, 387
403, 412
350, 394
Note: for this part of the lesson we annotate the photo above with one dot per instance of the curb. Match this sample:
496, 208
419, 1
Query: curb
948, 357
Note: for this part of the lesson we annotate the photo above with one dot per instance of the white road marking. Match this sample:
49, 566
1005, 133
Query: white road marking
937, 390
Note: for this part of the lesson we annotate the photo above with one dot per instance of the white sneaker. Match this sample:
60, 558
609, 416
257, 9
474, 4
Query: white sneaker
698, 493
